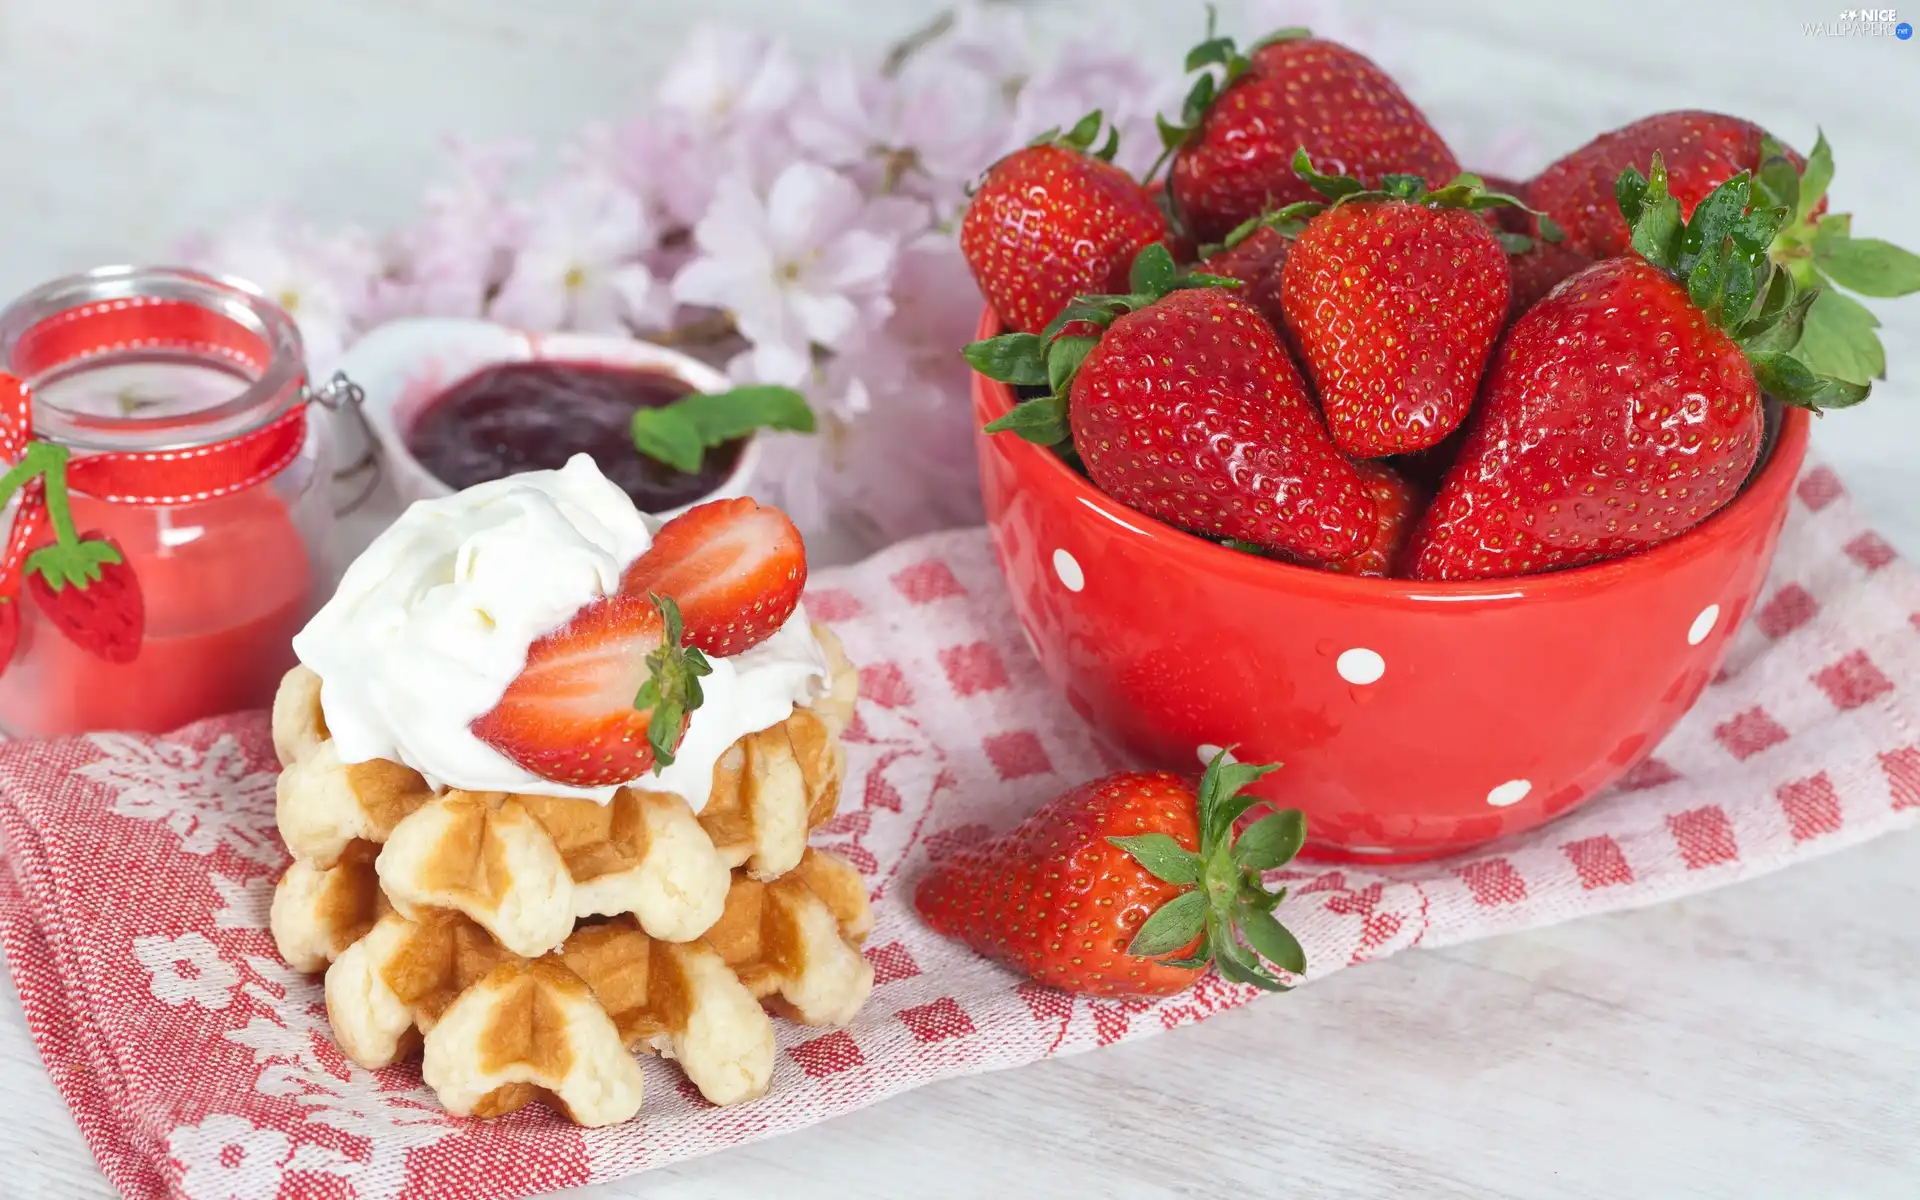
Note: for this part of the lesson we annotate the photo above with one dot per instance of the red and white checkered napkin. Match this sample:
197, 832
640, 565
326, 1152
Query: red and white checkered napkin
135, 906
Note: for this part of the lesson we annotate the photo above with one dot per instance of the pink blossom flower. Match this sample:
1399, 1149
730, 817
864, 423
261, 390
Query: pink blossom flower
445, 264
926, 133
325, 281
806, 265
578, 267
895, 457
724, 75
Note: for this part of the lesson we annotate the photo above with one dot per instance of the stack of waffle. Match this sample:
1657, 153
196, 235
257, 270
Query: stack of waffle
525, 946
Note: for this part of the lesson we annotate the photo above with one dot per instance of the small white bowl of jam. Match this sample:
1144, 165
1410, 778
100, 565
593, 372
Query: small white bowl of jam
457, 402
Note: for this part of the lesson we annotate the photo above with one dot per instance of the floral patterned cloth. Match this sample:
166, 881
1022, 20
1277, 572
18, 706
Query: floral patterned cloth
139, 873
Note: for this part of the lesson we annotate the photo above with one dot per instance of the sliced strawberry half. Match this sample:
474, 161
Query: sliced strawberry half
736, 569
90, 593
603, 699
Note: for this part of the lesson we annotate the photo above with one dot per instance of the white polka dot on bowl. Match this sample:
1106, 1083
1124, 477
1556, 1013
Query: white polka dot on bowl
1068, 569
1703, 624
1513, 791
1360, 666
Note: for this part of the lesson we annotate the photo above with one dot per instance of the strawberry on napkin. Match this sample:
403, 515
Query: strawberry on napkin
139, 870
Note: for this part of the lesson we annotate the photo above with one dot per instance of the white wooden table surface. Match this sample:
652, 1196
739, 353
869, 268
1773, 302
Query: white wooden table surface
1755, 1042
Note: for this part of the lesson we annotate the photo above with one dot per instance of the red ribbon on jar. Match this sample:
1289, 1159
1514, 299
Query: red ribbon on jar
170, 392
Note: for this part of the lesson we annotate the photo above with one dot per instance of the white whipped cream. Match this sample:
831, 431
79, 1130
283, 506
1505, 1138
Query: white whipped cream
434, 620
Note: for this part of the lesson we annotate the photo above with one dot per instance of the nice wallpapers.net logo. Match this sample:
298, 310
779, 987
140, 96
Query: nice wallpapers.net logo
1861, 22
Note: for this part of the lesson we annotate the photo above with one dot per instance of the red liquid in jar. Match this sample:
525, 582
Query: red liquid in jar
534, 416
226, 585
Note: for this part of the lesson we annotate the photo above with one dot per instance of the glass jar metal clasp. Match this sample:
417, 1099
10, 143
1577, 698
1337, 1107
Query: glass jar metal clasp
343, 396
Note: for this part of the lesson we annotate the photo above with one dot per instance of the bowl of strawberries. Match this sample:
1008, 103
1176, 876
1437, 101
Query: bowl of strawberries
1447, 494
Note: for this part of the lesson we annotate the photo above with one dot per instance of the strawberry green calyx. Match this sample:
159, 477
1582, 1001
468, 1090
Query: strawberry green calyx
1081, 137
1824, 257
1213, 51
68, 561
1287, 221
1227, 907
1052, 357
1721, 255
672, 690
1467, 191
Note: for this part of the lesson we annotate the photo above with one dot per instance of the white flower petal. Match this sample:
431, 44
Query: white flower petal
854, 261
827, 317
807, 205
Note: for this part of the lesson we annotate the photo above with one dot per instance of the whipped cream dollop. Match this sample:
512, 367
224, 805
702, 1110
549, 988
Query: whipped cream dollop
433, 621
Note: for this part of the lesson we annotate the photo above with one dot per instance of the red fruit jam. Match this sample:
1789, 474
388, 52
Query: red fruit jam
534, 416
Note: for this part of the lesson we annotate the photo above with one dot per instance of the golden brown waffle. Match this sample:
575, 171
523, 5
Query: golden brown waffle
527, 945
527, 868
502, 1030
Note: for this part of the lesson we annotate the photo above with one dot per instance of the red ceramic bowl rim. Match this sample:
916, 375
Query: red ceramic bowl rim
1759, 498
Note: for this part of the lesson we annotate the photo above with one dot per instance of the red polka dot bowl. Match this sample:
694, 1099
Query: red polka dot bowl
1413, 719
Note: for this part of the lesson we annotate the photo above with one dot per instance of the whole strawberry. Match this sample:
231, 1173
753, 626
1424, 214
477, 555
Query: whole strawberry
1395, 297
1397, 501
1701, 150
1188, 409
1254, 254
1233, 148
1127, 886
1624, 408
1055, 220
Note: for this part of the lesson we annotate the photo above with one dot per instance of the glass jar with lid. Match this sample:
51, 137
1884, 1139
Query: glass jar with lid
168, 501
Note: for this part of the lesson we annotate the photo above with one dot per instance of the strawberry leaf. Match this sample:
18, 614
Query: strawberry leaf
1777, 183
1064, 358
1289, 34
1153, 272
1656, 230
1271, 841
1333, 187
1272, 940
1838, 339
1220, 802
1238, 964
672, 691
1172, 926
1713, 220
1781, 319
1630, 193
1084, 131
1015, 358
1201, 956
1870, 266
1042, 421
1789, 380
1162, 857
1513, 243
1815, 179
